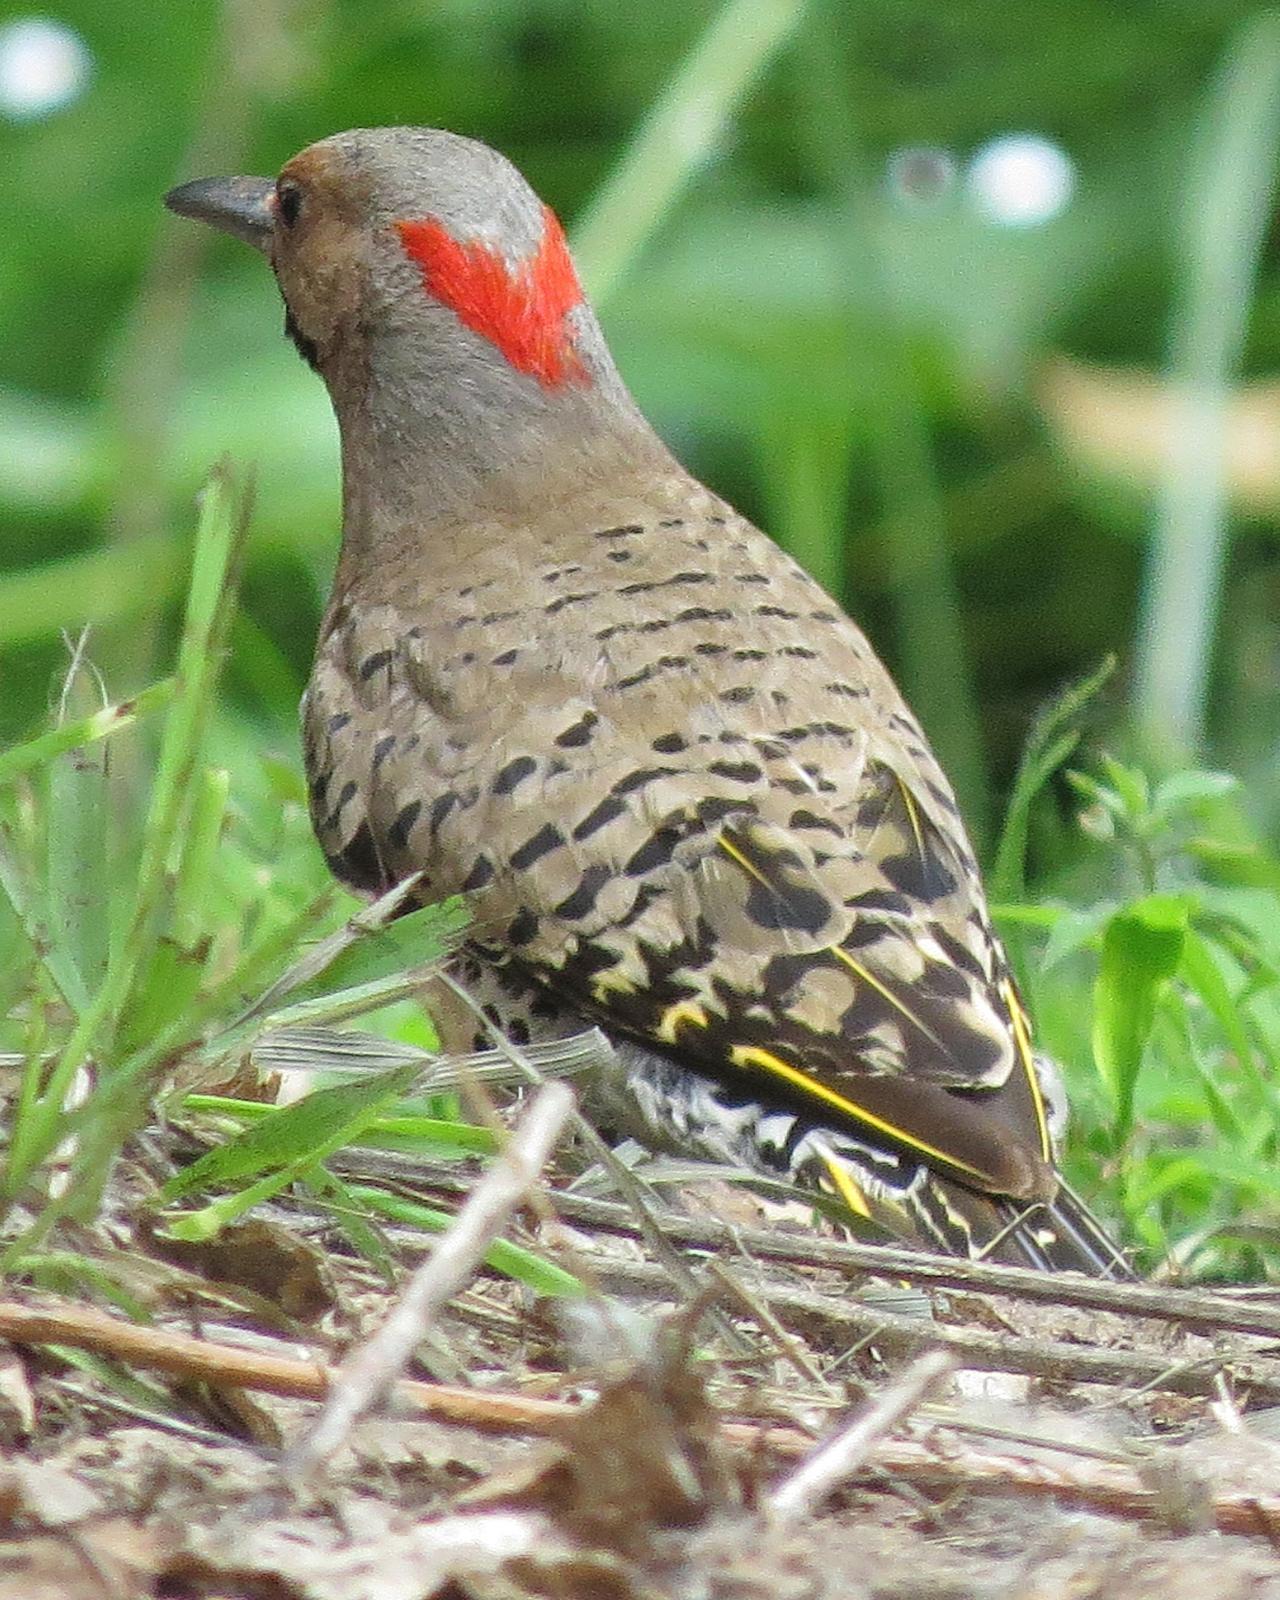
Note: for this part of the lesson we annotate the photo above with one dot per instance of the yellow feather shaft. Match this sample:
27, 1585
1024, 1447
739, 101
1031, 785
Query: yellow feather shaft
1022, 1038
753, 1056
898, 1005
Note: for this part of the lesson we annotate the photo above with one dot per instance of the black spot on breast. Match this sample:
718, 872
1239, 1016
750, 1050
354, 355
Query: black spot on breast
669, 744
793, 907
609, 809
375, 663
513, 774
547, 838
802, 817
523, 928
577, 733
925, 879
717, 808
338, 721
622, 533
345, 796
641, 777
739, 695
506, 658
704, 614
557, 606
481, 873
737, 771
441, 806
582, 900
383, 749
399, 831
359, 862
655, 852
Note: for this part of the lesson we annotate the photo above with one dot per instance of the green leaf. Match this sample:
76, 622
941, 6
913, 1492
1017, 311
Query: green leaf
305, 1131
1192, 787
1245, 866
415, 940
1053, 737
536, 1273
1141, 949
22, 758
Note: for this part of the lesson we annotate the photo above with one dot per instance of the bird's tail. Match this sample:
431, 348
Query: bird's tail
1062, 1235
916, 1205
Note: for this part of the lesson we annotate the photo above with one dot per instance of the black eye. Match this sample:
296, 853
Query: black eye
288, 203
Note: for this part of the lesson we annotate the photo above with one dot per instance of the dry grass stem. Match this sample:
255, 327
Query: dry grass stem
373, 1367
801, 1492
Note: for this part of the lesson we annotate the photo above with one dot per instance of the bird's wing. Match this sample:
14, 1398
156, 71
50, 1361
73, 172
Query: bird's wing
790, 907
843, 969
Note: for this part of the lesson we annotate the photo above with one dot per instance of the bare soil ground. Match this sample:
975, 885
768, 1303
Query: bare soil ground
660, 1437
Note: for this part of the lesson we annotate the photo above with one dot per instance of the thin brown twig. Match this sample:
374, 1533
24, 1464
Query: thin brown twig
230, 1367
934, 1462
369, 1372
842, 1320
1192, 1308
804, 1489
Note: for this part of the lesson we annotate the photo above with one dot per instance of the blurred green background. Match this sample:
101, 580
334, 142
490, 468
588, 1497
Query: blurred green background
909, 363
976, 307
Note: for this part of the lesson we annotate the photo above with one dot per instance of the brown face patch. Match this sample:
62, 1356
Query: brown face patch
318, 249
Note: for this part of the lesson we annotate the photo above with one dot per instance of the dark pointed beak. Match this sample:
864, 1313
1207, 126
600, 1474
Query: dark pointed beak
239, 206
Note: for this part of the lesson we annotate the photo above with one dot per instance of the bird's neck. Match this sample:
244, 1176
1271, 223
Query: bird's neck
429, 447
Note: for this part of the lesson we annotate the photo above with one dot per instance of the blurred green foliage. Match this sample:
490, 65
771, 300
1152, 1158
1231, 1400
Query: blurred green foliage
931, 409
858, 372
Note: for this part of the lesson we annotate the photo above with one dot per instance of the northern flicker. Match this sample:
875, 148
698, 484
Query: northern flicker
566, 680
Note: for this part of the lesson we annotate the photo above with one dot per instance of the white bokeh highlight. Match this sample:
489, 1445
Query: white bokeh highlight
44, 65
1020, 180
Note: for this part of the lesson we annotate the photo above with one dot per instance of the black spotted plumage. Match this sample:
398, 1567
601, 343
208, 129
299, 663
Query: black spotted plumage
777, 898
681, 792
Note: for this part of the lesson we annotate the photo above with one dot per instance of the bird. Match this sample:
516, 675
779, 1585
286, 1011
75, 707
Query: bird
559, 676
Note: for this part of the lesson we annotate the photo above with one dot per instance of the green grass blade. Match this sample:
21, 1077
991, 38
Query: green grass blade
1053, 738
199, 856
295, 1132
536, 1273
219, 539
78, 884
1228, 212
678, 133
34, 753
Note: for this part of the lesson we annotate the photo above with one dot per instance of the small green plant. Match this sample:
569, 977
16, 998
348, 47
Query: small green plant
1155, 982
152, 945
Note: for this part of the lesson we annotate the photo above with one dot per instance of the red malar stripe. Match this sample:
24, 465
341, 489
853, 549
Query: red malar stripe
523, 312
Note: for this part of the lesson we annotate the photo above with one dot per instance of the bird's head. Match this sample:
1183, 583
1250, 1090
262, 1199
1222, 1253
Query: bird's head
421, 266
